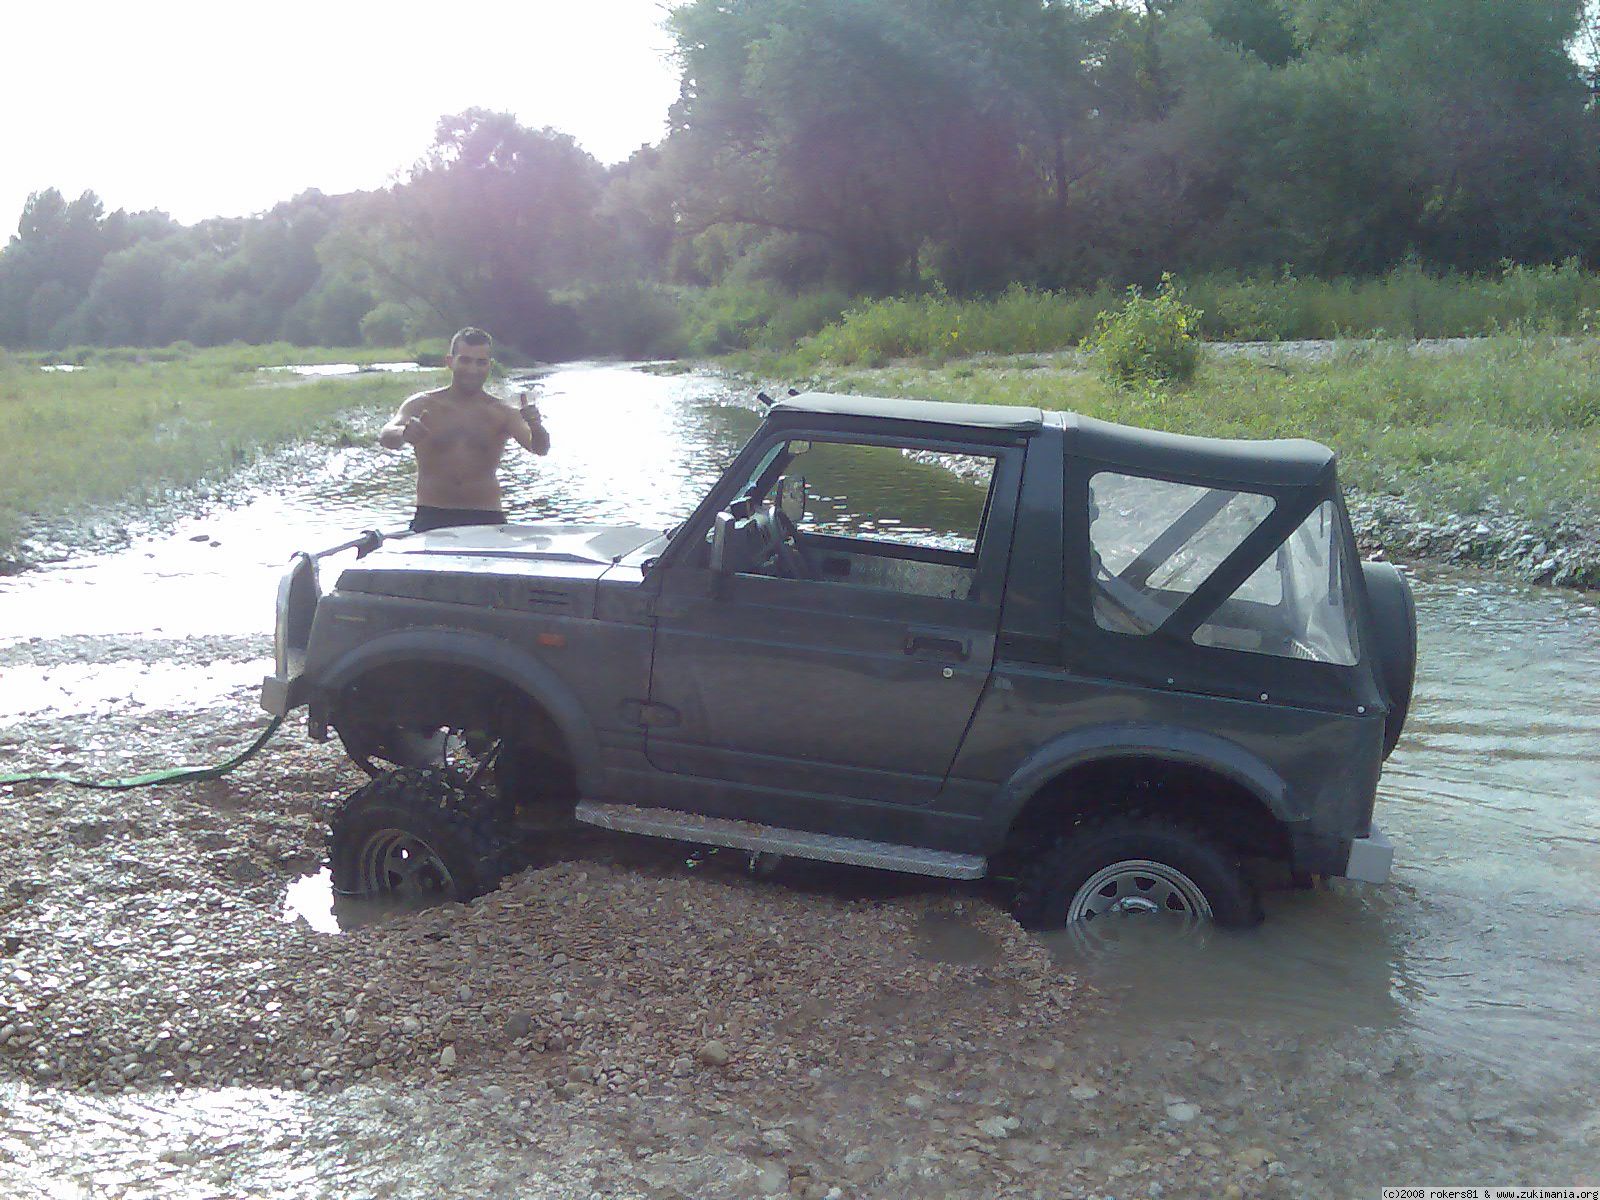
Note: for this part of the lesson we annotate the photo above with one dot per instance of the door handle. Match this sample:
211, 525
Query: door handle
932, 643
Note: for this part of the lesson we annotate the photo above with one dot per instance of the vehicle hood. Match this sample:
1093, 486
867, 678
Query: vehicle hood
538, 568
556, 542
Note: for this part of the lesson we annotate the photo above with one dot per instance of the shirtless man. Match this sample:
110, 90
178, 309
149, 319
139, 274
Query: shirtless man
459, 433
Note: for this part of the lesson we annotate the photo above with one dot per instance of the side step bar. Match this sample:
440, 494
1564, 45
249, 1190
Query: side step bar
770, 839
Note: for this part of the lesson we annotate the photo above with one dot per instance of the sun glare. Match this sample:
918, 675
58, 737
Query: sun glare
205, 109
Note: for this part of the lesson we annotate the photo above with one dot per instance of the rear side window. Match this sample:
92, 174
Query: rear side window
1152, 543
1298, 603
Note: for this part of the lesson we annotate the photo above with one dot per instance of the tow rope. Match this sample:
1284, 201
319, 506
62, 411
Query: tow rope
171, 775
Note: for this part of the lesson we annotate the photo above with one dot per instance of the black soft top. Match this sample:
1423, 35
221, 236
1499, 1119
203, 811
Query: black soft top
1293, 462
1283, 462
926, 412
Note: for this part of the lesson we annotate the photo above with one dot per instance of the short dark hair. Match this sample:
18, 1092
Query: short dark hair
470, 336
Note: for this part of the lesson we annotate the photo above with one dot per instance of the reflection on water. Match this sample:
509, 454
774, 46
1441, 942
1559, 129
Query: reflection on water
1318, 964
894, 495
67, 1143
87, 689
311, 899
1483, 944
627, 447
329, 370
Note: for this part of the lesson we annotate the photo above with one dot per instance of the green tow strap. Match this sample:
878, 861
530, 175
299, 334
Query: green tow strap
171, 775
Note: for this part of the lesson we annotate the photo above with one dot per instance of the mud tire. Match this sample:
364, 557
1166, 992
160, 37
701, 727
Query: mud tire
386, 831
1053, 878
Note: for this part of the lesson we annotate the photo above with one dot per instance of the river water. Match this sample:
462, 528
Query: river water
1483, 948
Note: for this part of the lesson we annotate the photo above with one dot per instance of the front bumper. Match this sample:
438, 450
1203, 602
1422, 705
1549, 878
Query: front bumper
281, 694
298, 594
1371, 858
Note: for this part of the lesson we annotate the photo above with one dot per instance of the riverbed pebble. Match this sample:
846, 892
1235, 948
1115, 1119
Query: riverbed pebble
610, 1022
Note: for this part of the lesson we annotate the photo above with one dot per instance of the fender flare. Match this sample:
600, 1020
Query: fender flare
503, 660
1128, 739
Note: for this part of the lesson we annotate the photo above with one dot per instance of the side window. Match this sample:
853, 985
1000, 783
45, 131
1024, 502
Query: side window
892, 518
889, 494
1152, 543
1298, 603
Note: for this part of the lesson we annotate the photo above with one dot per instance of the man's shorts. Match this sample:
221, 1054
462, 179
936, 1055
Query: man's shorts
432, 517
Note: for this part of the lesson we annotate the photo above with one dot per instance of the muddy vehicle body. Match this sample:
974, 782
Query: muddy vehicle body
1114, 666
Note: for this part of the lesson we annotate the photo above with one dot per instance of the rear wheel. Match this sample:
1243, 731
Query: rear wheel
418, 835
1134, 865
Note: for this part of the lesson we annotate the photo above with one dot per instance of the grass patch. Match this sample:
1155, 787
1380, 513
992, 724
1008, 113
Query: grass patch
134, 426
640, 320
237, 357
940, 327
649, 320
1408, 302
1515, 421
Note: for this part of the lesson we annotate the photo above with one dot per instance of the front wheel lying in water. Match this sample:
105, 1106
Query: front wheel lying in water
1134, 865
419, 834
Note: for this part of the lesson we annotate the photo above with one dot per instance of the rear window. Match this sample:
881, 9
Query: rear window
1298, 603
1152, 543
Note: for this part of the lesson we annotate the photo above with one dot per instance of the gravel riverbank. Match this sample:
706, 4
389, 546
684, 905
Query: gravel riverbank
614, 1023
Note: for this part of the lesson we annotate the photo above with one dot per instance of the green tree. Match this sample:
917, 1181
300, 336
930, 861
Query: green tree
897, 135
1263, 28
58, 247
125, 299
493, 218
1452, 131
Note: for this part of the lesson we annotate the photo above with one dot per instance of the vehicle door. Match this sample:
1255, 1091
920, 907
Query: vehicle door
836, 624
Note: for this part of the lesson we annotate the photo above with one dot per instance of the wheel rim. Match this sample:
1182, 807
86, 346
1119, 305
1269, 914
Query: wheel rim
1138, 886
395, 863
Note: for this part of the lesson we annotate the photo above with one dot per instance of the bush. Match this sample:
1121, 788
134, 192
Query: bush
633, 320
429, 352
733, 317
938, 326
390, 324
730, 316
802, 316
1154, 339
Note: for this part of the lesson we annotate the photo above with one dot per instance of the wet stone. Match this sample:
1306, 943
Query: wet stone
714, 1054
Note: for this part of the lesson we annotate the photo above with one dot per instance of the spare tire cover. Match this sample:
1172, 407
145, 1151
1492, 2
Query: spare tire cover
1394, 617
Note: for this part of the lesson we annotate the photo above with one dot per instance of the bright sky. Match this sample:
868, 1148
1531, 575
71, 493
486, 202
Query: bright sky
207, 109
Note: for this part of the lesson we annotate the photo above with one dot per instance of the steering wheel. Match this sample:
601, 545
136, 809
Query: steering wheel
790, 561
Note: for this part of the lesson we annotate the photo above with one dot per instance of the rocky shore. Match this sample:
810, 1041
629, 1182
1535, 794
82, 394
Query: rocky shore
1563, 552
616, 1023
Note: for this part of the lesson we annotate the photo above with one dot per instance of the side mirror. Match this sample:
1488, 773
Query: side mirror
792, 499
720, 528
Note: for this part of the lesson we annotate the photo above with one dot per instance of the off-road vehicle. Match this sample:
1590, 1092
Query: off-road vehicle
1112, 666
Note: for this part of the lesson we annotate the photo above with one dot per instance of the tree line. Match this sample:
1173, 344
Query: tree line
880, 147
